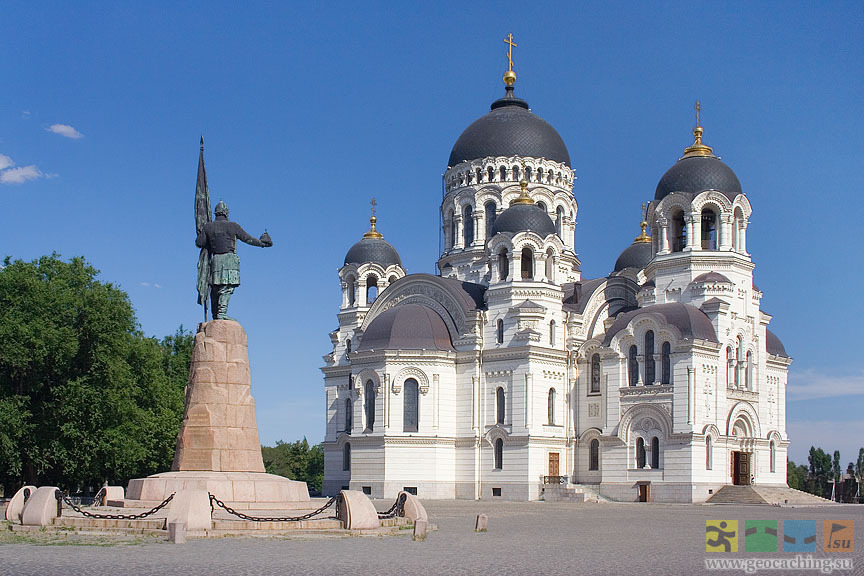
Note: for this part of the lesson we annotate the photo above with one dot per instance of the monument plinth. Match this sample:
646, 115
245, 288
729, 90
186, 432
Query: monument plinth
218, 448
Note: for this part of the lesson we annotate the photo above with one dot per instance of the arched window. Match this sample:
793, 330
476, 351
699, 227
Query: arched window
451, 241
550, 408
552, 333
640, 453
468, 225
515, 173
559, 222
499, 405
655, 452
550, 266
351, 289
371, 289
595, 373
346, 457
348, 346
411, 413
666, 364
650, 368
491, 173
528, 173
479, 175
633, 366
737, 228
499, 454
539, 174
499, 331
490, 218
370, 405
748, 371
527, 264
709, 229
679, 232
594, 455
730, 367
503, 173
542, 206
772, 457
709, 453
503, 264
349, 415
739, 357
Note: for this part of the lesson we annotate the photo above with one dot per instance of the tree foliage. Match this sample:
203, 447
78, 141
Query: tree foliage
297, 461
85, 397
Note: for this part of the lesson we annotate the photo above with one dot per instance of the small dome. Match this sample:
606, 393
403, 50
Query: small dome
522, 217
510, 129
711, 277
697, 174
773, 345
637, 255
375, 250
407, 327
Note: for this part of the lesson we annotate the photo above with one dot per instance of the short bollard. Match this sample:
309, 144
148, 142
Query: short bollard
420, 527
480, 525
177, 532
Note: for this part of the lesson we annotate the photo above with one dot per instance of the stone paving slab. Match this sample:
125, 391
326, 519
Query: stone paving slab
523, 538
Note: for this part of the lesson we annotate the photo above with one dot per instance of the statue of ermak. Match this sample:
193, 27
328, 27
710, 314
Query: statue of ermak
219, 238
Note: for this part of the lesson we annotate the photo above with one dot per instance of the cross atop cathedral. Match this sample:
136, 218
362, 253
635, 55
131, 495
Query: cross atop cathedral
373, 203
698, 111
511, 44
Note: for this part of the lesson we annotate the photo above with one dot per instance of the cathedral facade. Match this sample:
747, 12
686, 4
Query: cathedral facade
508, 373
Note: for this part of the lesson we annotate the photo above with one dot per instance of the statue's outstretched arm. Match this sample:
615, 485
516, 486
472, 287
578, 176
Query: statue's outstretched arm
248, 239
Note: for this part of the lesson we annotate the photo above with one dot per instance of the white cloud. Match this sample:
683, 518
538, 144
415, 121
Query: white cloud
150, 285
65, 130
145, 284
25, 114
20, 175
5, 162
811, 384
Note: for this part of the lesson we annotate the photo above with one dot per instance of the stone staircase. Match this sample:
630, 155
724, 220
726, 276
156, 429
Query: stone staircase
774, 495
736, 495
562, 493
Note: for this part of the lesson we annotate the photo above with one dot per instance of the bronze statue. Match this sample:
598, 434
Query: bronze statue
218, 264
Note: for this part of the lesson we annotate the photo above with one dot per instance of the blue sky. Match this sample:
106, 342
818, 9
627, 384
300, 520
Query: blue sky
308, 110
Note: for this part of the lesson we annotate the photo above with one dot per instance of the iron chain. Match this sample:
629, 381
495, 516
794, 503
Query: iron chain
214, 500
396, 510
140, 516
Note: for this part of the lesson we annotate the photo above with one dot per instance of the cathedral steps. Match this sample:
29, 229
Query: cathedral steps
562, 493
736, 495
783, 495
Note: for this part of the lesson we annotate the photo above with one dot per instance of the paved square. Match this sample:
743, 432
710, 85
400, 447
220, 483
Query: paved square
523, 538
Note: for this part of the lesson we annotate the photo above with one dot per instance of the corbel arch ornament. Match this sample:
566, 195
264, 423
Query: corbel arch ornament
362, 377
410, 372
671, 204
497, 432
774, 436
712, 431
745, 413
590, 434
712, 198
426, 293
742, 202
638, 417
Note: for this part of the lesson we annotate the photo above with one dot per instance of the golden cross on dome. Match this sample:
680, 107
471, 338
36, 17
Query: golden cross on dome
698, 110
511, 44
373, 205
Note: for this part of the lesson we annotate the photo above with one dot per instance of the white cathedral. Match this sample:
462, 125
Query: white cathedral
509, 372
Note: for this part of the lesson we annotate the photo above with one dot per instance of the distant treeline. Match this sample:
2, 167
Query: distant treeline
825, 474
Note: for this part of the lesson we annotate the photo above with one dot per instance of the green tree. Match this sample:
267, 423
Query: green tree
297, 461
796, 476
84, 396
819, 473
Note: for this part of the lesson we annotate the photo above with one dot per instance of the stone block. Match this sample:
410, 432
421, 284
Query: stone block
481, 523
208, 373
198, 415
209, 350
41, 508
242, 460
16, 505
113, 493
420, 527
237, 354
357, 512
191, 507
238, 373
177, 532
239, 394
413, 509
197, 438
228, 331
196, 459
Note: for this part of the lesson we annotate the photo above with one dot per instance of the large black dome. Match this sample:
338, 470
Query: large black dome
637, 255
695, 174
375, 250
522, 217
510, 129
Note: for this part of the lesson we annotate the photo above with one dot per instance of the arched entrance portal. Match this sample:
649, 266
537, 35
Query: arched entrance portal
741, 463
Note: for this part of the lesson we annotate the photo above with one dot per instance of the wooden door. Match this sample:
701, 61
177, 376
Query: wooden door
644, 493
734, 466
553, 464
743, 469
